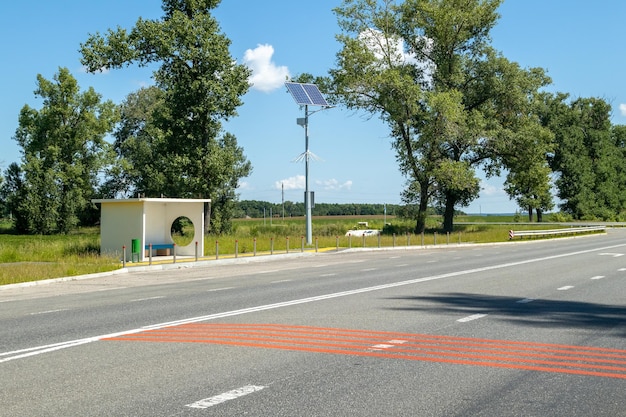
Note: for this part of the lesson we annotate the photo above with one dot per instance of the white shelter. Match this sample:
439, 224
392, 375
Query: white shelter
123, 222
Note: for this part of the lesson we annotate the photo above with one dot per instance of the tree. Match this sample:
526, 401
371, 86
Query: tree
64, 151
587, 159
427, 69
201, 86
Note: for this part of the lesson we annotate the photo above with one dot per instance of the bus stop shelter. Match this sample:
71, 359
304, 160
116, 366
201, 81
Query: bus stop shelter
137, 223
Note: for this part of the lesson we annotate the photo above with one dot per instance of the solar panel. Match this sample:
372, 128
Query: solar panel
314, 94
306, 94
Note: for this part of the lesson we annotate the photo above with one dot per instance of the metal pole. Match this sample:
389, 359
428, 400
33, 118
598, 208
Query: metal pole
307, 192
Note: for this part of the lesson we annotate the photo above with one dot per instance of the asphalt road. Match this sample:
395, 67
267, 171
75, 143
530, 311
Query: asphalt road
522, 329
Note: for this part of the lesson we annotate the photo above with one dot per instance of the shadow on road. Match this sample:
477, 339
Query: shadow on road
537, 313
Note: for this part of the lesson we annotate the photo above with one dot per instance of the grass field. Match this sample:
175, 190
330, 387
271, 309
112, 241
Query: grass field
31, 258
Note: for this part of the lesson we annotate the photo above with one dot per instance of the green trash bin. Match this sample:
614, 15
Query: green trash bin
136, 250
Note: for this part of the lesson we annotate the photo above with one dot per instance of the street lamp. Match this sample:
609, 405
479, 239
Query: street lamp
307, 95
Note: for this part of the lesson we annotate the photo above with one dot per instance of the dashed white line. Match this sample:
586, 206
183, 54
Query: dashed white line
525, 300
280, 280
327, 275
267, 272
227, 396
112, 288
147, 299
598, 277
368, 269
49, 311
472, 317
220, 289
565, 288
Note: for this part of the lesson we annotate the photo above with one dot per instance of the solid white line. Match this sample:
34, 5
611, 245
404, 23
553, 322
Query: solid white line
565, 288
227, 396
18, 354
472, 317
598, 277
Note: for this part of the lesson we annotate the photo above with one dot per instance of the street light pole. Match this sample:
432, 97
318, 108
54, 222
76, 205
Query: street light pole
307, 192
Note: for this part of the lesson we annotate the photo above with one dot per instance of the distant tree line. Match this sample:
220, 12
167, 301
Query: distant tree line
263, 209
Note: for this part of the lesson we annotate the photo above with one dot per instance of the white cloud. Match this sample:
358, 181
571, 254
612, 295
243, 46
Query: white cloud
622, 109
489, 190
243, 185
266, 76
393, 48
292, 183
334, 185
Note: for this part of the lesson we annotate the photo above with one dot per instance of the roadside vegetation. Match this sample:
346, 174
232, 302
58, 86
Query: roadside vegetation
25, 258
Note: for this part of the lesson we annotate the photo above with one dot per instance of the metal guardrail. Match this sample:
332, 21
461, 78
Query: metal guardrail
571, 230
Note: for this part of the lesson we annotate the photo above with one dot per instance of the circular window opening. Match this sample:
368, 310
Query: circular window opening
182, 231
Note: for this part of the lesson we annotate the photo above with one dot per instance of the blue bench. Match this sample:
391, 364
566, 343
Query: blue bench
160, 246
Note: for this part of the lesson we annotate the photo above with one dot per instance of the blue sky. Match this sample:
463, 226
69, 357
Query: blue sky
578, 42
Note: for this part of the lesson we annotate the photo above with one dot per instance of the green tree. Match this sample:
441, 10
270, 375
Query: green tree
201, 86
64, 152
427, 68
586, 159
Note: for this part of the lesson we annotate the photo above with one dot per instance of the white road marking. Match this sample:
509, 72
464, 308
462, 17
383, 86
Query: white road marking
525, 300
147, 299
327, 275
614, 255
268, 272
112, 288
472, 317
220, 289
622, 269
281, 280
37, 350
368, 269
382, 346
49, 311
227, 396
565, 288
388, 345
401, 265
598, 277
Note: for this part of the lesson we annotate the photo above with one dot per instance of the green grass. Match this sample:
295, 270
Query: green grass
31, 258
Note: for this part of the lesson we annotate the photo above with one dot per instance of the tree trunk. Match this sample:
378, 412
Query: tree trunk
448, 214
530, 214
420, 227
539, 215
